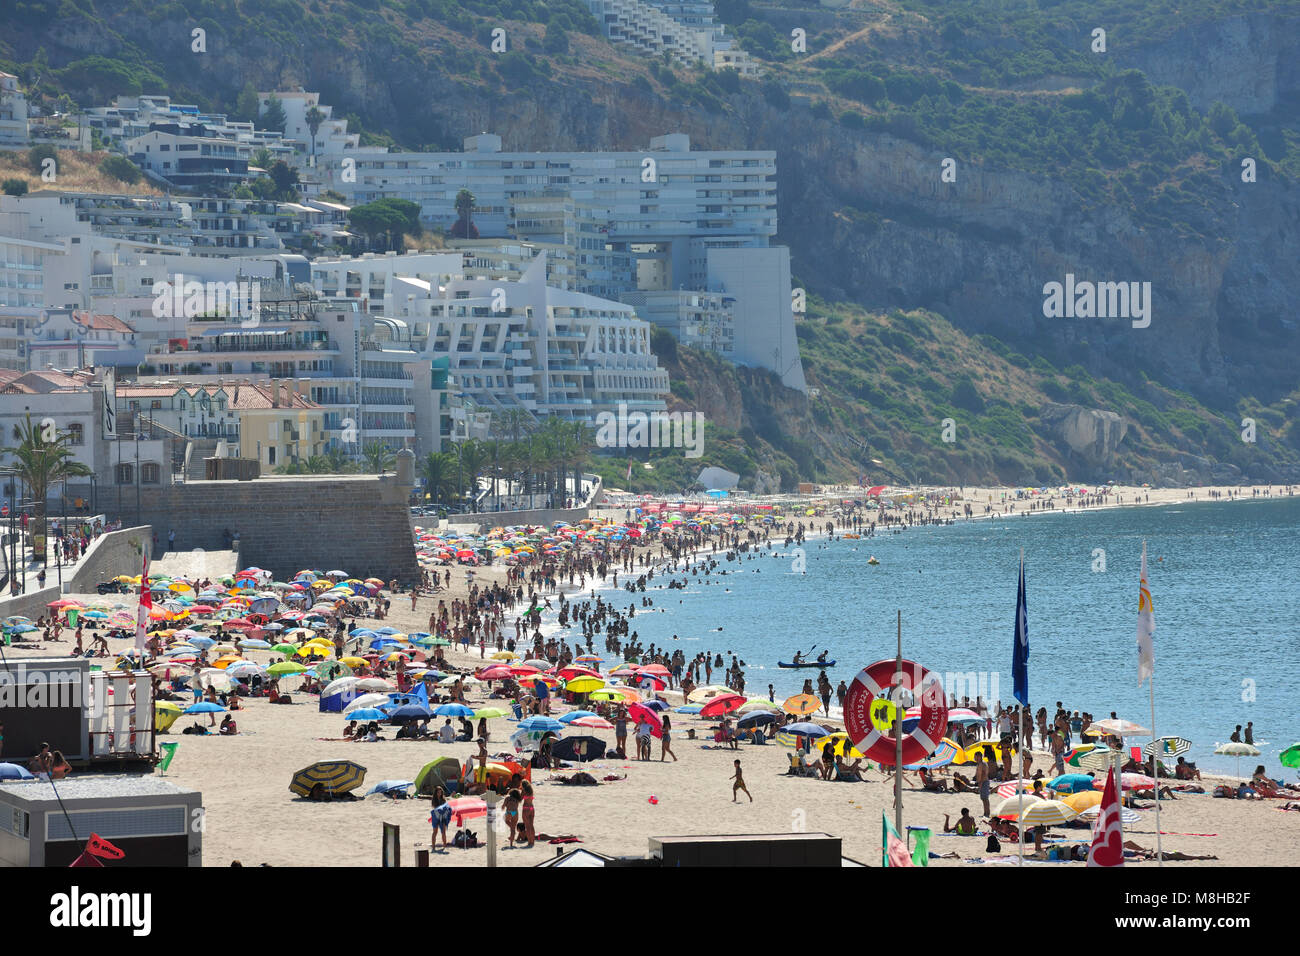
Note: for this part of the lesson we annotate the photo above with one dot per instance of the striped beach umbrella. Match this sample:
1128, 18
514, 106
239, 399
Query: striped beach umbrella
333, 776
1167, 747
1048, 813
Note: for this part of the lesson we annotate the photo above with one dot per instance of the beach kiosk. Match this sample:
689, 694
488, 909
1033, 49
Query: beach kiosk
153, 822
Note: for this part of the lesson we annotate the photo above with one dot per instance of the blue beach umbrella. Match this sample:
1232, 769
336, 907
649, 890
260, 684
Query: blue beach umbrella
367, 713
805, 729
576, 714
204, 707
689, 709
11, 771
453, 710
388, 786
411, 712
540, 723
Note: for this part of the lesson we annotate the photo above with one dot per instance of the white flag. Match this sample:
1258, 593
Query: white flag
1146, 627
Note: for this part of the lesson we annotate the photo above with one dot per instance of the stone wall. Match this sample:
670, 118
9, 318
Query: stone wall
32, 604
118, 552
359, 523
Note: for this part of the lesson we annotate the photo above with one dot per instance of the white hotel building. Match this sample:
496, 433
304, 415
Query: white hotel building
613, 223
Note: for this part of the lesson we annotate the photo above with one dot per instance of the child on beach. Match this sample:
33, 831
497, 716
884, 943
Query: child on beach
739, 784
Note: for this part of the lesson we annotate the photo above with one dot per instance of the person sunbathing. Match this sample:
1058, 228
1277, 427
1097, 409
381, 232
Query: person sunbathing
931, 783
1004, 828
1186, 771
965, 825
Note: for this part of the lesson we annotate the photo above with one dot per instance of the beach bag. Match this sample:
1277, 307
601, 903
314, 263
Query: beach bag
465, 839
993, 846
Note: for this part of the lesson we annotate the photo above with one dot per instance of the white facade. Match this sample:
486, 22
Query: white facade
13, 113
759, 281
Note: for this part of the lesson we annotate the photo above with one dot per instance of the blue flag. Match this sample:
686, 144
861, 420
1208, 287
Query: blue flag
1020, 653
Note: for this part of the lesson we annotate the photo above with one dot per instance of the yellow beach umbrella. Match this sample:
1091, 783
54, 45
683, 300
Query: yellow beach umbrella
355, 662
584, 684
801, 704
1082, 801
504, 656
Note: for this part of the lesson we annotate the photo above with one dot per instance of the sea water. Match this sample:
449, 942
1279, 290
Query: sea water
1225, 585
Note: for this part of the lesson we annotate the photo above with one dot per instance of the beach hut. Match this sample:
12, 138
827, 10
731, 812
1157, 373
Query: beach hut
150, 820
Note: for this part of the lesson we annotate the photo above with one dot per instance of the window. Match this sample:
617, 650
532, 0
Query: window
156, 403
76, 434
150, 473
270, 456
125, 474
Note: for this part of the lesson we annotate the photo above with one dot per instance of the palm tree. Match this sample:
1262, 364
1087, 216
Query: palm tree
436, 470
43, 458
473, 456
378, 458
314, 120
464, 227
338, 459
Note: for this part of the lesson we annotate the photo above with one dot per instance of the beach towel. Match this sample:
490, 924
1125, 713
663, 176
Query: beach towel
921, 852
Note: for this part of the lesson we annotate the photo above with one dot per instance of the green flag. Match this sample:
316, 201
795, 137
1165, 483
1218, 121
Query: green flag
921, 853
168, 751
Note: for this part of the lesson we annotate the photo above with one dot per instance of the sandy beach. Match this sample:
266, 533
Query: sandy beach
252, 817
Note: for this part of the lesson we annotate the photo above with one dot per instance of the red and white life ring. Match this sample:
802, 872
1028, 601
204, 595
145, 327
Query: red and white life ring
866, 690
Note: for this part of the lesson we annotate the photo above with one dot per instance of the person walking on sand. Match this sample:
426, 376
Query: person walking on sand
982, 779
739, 784
665, 742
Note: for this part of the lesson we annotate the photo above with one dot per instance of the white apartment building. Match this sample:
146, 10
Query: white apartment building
511, 340
185, 157
13, 113
686, 30
700, 320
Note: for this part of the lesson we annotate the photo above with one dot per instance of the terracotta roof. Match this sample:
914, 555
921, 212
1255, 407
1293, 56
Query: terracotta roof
255, 396
110, 323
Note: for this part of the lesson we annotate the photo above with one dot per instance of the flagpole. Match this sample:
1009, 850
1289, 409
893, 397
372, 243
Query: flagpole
899, 712
1020, 772
1155, 772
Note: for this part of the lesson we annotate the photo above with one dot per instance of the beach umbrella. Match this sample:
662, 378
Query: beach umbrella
285, 668
1167, 747
541, 723
757, 719
1047, 813
491, 713
390, 786
689, 709
464, 808
255, 644
838, 743
1117, 727
700, 694
584, 684
947, 752
204, 707
1072, 758
453, 710
1127, 816
1083, 800
640, 712
367, 713
1009, 809
375, 683
1290, 757
1072, 783
339, 685
576, 714
804, 729
592, 722
1099, 759
363, 702
332, 776
801, 705
11, 771
1129, 781
723, 704
411, 712
757, 704
1238, 750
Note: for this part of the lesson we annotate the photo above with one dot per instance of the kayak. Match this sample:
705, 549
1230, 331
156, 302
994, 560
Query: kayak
806, 664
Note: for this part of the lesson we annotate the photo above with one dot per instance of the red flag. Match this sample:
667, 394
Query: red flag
142, 612
97, 847
1107, 842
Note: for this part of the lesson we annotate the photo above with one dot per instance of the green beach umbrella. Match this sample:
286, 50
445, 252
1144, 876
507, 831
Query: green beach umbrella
1291, 756
285, 667
490, 712
286, 648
